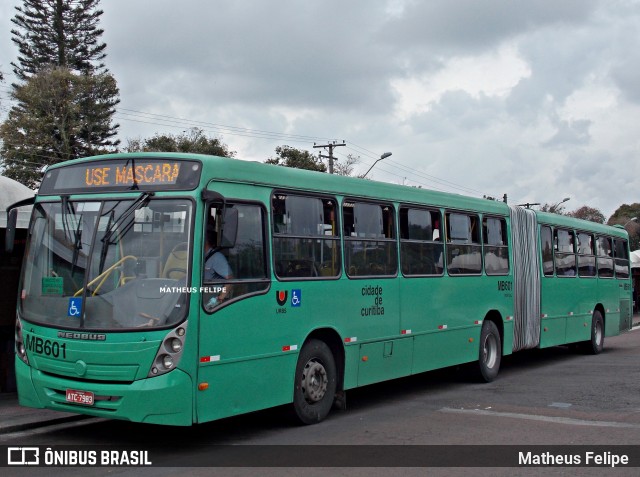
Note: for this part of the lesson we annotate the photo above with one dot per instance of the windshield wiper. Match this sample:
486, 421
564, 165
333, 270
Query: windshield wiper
113, 225
77, 245
67, 209
134, 186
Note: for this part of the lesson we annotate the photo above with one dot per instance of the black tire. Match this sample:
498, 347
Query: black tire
490, 353
596, 344
315, 382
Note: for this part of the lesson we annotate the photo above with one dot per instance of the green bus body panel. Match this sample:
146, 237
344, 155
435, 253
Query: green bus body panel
244, 355
384, 360
366, 313
568, 303
122, 357
164, 399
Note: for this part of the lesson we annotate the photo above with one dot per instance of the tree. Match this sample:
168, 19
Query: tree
552, 208
628, 215
345, 168
292, 157
194, 141
588, 213
58, 116
58, 32
624, 213
66, 98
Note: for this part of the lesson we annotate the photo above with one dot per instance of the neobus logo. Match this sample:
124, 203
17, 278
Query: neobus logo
70, 335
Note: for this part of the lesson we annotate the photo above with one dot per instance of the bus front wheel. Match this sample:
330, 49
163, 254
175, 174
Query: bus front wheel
490, 352
315, 382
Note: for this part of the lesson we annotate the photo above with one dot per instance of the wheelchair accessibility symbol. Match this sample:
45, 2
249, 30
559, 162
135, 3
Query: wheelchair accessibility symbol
75, 307
296, 298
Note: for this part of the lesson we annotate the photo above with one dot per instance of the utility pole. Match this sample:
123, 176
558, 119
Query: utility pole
330, 145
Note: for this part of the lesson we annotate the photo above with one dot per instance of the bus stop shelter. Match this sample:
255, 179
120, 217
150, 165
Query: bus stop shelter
10, 264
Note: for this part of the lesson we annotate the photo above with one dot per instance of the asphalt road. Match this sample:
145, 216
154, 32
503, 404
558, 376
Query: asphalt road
552, 397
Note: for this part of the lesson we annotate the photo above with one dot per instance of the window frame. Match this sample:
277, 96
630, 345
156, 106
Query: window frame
408, 241
473, 246
557, 253
551, 253
600, 257
235, 280
335, 237
350, 239
504, 246
625, 258
591, 255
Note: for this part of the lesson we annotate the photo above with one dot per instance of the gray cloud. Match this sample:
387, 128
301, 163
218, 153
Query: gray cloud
468, 26
331, 69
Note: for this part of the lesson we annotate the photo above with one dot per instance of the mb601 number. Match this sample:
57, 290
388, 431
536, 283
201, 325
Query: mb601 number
46, 347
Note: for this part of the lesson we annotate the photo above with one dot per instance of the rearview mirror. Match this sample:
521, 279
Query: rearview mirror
10, 234
229, 228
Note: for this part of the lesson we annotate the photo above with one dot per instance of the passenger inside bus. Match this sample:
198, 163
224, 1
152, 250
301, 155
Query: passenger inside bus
216, 267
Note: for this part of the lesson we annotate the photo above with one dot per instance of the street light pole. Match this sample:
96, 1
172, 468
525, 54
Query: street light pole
384, 156
553, 208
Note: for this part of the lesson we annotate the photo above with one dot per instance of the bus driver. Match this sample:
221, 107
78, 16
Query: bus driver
216, 267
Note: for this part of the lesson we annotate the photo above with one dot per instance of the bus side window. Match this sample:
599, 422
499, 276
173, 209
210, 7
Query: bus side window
621, 258
464, 248
246, 259
586, 255
605, 257
496, 249
565, 256
370, 239
546, 246
306, 238
420, 251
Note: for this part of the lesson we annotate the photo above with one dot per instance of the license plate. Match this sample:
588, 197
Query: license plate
80, 397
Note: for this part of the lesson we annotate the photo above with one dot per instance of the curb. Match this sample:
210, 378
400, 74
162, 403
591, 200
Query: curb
25, 426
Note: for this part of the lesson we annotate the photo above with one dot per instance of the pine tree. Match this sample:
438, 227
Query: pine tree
66, 98
58, 116
58, 33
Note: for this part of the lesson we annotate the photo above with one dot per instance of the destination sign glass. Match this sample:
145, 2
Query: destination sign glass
122, 175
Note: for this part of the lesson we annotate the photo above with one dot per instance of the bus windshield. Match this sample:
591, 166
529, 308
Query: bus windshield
104, 265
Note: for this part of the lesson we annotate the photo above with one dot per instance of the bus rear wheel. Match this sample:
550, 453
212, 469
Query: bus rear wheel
596, 344
315, 382
490, 353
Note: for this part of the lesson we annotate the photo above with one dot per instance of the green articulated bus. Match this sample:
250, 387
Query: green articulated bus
178, 289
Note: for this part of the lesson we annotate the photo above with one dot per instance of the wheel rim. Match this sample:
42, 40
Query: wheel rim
490, 351
314, 381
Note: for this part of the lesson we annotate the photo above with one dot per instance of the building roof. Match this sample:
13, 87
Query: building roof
10, 193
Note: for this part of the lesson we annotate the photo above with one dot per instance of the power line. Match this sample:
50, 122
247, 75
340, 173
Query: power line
133, 115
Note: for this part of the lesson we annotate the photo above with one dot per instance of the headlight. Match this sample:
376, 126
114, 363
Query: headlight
175, 345
21, 352
167, 361
169, 352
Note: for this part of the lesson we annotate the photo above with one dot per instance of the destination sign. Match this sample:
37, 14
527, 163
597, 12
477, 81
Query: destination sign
163, 173
123, 174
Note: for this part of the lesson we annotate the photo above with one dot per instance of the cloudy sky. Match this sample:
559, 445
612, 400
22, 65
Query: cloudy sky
536, 99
